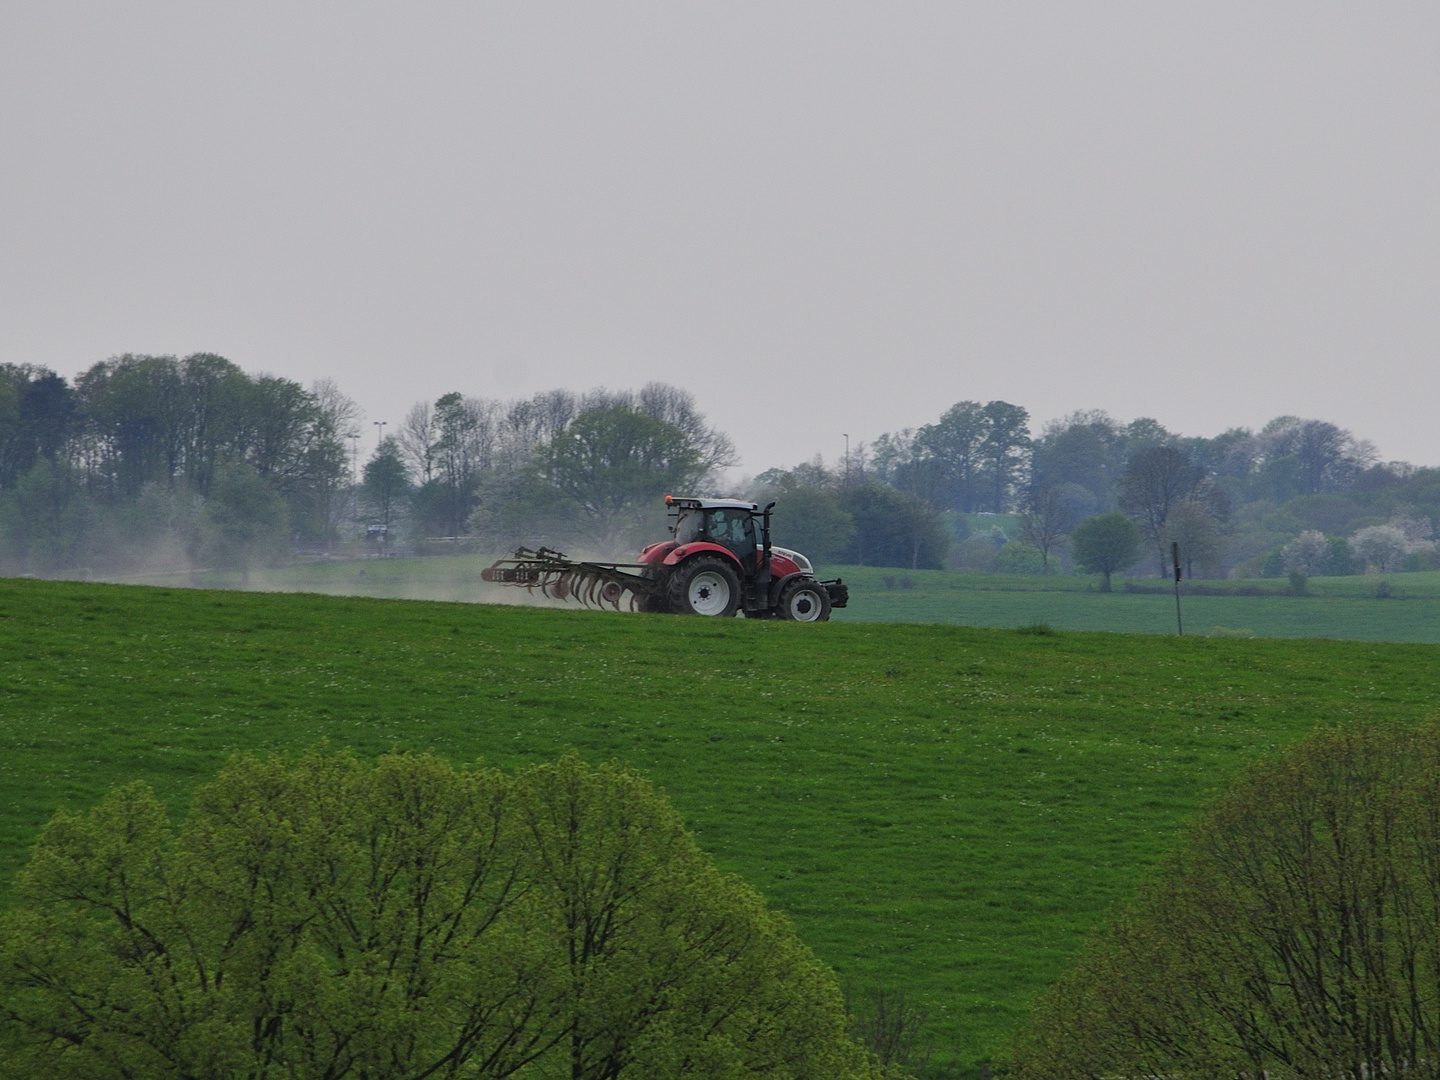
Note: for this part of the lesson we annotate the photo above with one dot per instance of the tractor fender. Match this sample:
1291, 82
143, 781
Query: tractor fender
701, 547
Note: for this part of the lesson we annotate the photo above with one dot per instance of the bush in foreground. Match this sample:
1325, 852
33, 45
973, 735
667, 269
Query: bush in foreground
324, 918
1295, 934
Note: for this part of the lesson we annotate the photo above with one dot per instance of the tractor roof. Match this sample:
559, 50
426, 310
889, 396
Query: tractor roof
710, 504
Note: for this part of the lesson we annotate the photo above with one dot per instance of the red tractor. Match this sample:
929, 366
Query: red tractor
719, 562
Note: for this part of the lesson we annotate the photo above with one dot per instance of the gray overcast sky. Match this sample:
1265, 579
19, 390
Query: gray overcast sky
820, 218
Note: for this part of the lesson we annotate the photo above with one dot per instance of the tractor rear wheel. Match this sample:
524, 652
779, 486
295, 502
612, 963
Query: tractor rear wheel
805, 601
705, 586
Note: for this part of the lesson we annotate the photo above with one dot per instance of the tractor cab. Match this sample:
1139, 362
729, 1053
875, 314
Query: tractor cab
727, 522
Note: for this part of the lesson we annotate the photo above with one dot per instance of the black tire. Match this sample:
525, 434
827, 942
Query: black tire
705, 585
805, 600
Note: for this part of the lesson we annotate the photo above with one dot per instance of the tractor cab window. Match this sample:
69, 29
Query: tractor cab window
733, 528
687, 526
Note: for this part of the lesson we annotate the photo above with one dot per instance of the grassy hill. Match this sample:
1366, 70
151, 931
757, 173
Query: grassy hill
941, 809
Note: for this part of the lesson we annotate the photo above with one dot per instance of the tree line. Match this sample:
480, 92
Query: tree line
157, 461
1298, 496
149, 459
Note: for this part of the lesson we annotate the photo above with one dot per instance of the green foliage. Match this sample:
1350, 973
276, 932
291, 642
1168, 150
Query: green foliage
37, 417
386, 482
247, 520
1106, 543
1274, 563
1018, 557
136, 424
47, 520
1295, 933
617, 462
973, 458
894, 529
812, 521
328, 919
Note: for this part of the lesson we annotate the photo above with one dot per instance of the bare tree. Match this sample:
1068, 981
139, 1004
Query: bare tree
339, 419
417, 438
1051, 511
1154, 482
1199, 532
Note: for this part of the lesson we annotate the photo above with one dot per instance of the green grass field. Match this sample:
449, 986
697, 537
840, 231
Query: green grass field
1345, 608
942, 809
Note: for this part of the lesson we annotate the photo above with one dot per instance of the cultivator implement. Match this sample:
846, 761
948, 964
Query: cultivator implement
618, 586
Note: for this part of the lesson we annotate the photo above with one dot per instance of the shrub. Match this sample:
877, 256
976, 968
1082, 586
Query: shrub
1273, 564
329, 919
1017, 557
1340, 563
1295, 933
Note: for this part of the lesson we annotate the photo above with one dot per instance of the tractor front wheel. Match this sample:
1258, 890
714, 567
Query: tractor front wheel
805, 601
705, 586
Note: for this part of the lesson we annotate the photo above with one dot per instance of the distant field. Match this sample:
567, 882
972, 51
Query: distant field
1345, 607
941, 809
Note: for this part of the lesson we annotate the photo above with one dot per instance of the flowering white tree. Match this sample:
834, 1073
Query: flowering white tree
1380, 547
1307, 554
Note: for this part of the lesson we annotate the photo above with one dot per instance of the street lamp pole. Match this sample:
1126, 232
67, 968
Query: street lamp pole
379, 432
847, 460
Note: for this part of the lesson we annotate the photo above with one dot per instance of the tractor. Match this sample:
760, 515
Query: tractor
718, 562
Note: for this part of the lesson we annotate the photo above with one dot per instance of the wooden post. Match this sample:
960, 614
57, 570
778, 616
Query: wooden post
1175, 551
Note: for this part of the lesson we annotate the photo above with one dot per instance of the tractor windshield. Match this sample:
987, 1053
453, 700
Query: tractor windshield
687, 526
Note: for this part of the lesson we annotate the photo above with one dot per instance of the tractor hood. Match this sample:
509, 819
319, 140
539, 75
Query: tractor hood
801, 562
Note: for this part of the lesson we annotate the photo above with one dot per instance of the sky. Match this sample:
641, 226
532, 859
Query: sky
822, 219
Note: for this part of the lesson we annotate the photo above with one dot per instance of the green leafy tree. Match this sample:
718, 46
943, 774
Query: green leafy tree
1105, 543
1019, 557
327, 919
47, 520
808, 516
247, 521
893, 528
38, 419
1083, 449
615, 462
387, 481
1296, 932
1005, 450
948, 455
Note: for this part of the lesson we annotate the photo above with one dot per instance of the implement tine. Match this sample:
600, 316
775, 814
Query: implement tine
600, 586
